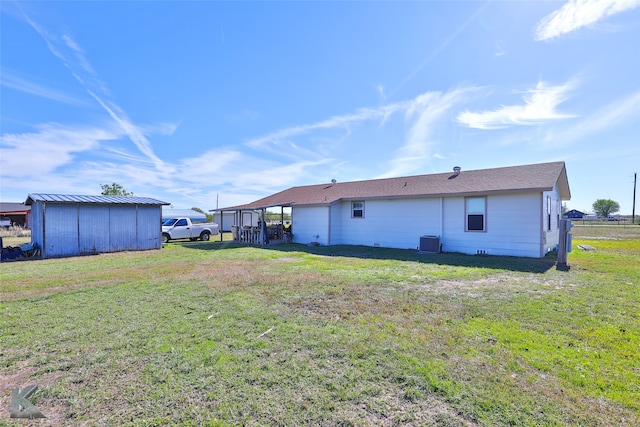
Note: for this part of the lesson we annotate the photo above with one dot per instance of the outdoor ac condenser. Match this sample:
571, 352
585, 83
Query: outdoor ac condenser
430, 244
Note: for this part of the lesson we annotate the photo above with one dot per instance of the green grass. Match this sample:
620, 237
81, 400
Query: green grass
220, 334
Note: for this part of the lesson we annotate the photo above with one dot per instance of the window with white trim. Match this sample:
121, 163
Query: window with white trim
357, 209
476, 213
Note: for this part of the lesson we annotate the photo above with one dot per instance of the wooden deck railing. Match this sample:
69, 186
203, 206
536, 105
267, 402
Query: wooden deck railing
253, 235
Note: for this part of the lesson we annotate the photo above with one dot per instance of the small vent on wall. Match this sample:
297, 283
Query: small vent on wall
481, 252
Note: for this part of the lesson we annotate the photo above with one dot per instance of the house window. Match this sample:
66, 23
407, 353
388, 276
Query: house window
357, 209
548, 213
476, 213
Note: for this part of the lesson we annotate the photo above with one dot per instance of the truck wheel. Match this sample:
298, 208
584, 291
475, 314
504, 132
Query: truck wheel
205, 236
165, 238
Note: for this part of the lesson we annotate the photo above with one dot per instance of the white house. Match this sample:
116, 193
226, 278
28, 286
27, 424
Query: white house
502, 211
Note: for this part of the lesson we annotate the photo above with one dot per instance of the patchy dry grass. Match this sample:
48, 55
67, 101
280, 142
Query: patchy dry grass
14, 236
218, 334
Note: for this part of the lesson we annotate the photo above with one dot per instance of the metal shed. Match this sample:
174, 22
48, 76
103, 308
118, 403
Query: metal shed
69, 225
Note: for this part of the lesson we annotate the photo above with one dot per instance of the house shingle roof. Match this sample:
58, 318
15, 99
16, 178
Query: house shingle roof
13, 207
513, 179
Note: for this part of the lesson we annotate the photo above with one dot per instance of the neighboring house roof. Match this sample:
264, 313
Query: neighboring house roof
520, 179
170, 212
70, 198
6, 207
573, 213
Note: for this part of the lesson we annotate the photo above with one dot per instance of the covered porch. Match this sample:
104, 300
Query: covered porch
256, 225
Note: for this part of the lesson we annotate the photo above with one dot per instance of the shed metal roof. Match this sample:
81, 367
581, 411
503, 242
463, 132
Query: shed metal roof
72, 198
512, 179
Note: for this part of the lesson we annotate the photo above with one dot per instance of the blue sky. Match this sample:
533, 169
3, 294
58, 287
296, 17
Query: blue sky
198, 103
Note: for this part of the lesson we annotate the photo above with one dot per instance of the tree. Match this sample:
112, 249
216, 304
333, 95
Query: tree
210, 217
114, 190
605, 207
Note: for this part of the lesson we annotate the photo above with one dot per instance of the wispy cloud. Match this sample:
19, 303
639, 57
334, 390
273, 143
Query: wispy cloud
135, 135
11, 80
69, 51
579, 13
47, 149
345, 122
612, 115
539, 106
444, 45
423, 115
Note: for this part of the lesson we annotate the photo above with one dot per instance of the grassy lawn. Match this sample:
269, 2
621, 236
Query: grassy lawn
219, 334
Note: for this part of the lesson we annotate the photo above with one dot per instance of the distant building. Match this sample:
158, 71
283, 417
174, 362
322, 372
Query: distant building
70, 225
574, 214
194, 216
18, 213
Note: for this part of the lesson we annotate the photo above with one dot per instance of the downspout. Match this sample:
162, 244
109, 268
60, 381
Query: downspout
441, 219
541, 224
329, 228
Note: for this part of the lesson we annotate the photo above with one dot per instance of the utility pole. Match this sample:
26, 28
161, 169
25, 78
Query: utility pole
633, 214
564, 243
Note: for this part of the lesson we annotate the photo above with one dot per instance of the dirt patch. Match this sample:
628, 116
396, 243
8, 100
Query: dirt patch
25, 376
398, 408
496, 286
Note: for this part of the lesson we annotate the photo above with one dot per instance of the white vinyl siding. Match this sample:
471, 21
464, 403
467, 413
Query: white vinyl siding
310, 224
389, 223
335, 226
512, 225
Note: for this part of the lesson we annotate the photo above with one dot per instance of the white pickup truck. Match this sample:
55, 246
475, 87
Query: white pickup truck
183, 228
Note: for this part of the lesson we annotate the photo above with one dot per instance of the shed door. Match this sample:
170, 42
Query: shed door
61, 230
94, 229
123, 228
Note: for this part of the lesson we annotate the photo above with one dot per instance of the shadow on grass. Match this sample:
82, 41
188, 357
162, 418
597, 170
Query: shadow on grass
521, 264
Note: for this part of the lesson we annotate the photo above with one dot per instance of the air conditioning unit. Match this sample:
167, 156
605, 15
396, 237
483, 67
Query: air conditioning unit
430, 244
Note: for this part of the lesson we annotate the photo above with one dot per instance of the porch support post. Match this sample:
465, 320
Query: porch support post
263, 229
